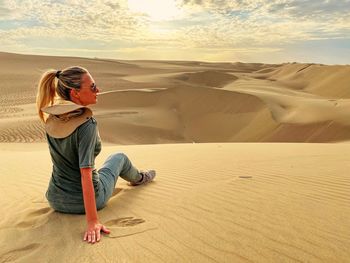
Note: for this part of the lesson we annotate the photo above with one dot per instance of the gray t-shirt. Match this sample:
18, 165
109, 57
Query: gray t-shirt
68, 155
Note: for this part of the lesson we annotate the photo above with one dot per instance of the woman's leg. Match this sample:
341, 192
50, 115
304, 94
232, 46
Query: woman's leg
117, 164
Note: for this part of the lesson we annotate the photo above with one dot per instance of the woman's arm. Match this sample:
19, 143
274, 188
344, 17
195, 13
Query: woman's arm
92, 234
89, 195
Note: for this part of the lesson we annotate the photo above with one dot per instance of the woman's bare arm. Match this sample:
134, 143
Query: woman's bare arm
92, 234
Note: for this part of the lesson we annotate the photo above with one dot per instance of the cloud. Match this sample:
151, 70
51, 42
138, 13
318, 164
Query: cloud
8, 10
210, 25
79, 18
4, 13
311, 9
301, 7
265, 22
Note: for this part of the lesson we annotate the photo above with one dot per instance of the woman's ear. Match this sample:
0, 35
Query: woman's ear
74, 94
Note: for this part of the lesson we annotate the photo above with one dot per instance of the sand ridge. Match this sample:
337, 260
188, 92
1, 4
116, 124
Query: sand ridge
185, 101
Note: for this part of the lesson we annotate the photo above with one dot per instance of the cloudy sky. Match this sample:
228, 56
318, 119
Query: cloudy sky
270, 31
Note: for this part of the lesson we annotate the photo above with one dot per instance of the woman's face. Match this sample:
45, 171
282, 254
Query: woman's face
87, 94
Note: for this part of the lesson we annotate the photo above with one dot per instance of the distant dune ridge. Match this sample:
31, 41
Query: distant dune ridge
175, 101
214, 199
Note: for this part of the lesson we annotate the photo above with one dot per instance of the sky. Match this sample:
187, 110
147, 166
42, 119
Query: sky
265, 31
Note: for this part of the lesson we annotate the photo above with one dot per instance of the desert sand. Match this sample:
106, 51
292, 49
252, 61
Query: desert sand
252, 163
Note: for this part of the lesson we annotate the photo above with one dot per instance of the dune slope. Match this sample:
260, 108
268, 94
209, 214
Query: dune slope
209, 203
145, 102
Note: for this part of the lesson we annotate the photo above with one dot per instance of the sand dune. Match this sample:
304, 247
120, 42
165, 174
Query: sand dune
170, 114
179, 101
210, 203
323, 80
208, 78
212, 200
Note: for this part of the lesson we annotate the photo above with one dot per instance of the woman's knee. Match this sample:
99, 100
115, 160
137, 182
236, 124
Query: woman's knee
116, 164
119, 156
114, 158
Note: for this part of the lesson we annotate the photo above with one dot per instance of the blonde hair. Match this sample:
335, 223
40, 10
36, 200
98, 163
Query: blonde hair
49, 88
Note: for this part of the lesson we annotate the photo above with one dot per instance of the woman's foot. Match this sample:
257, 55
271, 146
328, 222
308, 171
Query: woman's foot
147, 176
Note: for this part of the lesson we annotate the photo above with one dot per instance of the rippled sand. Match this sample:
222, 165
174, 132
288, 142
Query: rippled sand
215, 199
228, 202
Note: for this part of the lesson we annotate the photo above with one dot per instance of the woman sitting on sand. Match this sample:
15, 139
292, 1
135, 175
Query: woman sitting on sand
74, 142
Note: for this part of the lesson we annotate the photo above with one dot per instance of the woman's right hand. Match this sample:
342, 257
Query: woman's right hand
93, 232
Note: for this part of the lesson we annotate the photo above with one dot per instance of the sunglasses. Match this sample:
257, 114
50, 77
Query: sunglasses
93, 87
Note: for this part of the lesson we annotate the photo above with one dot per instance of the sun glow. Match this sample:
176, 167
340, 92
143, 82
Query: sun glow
156, 9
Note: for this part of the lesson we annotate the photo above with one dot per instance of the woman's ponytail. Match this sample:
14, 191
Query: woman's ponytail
67, 79
46, 92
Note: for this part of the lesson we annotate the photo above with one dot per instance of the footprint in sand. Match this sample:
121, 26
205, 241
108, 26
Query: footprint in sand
127, 226
125, 222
